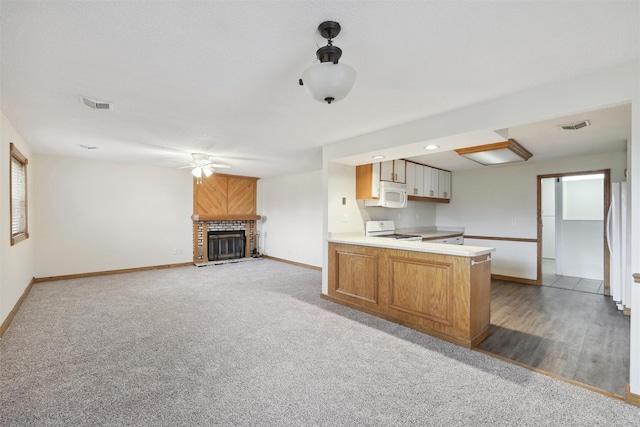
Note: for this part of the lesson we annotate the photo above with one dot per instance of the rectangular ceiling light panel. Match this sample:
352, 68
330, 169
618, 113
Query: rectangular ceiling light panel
496, 154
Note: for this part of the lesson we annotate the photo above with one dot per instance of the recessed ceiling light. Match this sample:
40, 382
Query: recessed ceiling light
432, 147
377, 157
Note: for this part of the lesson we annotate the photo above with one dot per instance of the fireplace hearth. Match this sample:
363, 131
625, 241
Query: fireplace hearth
226, 244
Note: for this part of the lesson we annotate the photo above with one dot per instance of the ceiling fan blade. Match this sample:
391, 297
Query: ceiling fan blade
219, 165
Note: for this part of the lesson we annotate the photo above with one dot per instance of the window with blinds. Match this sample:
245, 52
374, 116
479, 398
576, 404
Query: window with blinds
18, 201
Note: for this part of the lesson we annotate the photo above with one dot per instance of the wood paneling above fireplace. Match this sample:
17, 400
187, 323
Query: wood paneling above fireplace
224, 196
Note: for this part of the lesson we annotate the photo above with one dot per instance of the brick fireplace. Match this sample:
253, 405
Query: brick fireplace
201, 237
223, 203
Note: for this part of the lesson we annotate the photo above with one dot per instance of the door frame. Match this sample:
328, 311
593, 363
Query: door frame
607, 202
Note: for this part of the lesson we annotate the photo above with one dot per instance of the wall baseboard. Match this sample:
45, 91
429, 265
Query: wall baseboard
108, 272
12, 313
299, 264
632, 398
515, 279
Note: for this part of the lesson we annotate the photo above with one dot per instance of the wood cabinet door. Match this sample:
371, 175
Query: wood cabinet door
241, 196
210, 196
368, 181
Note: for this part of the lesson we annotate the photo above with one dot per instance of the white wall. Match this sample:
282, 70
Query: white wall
100, 216
291, 206
17, 266
416, 214
341, 183
501, 201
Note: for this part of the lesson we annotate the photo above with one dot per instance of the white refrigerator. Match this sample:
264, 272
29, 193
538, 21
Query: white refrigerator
616, 232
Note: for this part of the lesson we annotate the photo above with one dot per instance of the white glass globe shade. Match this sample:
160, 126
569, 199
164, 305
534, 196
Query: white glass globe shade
207, 172
326, 80
197, 172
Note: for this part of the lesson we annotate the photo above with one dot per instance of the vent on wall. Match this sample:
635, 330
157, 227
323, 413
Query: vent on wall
575, 126
95, 104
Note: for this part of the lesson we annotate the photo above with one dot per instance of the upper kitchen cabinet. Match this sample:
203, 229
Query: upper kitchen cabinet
368, 181
423, 183
393, 171
415, 179
437, 183
431, 180
444, 184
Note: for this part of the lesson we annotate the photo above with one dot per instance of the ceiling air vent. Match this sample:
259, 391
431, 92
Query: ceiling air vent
575, 125
95, 104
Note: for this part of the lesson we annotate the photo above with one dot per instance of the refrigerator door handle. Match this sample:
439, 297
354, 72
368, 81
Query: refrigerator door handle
608, 228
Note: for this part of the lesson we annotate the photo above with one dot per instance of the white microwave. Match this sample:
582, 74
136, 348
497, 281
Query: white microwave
392, 195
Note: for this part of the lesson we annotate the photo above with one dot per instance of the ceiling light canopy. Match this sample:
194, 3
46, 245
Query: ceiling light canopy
496, 154
328, 81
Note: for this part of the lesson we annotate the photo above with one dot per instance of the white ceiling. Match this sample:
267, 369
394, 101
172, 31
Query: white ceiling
221, 77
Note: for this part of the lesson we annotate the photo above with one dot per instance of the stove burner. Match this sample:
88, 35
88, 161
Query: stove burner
401, 236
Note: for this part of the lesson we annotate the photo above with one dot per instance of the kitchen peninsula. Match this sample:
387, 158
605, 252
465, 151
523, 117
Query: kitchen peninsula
439, 289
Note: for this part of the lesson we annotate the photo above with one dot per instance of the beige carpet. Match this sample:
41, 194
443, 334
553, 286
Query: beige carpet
253, 344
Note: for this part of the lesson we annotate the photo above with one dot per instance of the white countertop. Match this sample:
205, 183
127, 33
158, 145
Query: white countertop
436, 248
432, 232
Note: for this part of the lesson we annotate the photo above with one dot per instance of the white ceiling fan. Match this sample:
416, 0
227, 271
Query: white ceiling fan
203, 164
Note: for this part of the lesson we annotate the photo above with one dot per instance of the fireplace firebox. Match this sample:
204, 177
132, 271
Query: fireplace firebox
224, 245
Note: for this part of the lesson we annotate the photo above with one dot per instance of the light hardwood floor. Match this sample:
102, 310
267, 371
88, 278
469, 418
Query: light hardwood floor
577, 335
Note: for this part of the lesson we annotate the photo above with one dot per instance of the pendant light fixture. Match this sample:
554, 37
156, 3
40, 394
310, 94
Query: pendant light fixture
328, 81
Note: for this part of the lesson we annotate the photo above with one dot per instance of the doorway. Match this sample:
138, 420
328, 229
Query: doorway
572, 246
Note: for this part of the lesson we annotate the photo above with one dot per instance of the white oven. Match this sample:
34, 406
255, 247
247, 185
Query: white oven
387, 229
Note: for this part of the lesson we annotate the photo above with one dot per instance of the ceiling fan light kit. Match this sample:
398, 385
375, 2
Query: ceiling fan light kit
328, 81
202, 164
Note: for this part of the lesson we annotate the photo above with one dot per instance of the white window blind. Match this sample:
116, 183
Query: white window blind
18, 198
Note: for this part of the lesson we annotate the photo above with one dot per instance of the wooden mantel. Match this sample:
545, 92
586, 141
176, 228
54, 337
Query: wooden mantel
225, 217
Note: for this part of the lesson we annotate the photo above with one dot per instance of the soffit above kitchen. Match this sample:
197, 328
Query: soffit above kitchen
608, 131
221, 77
